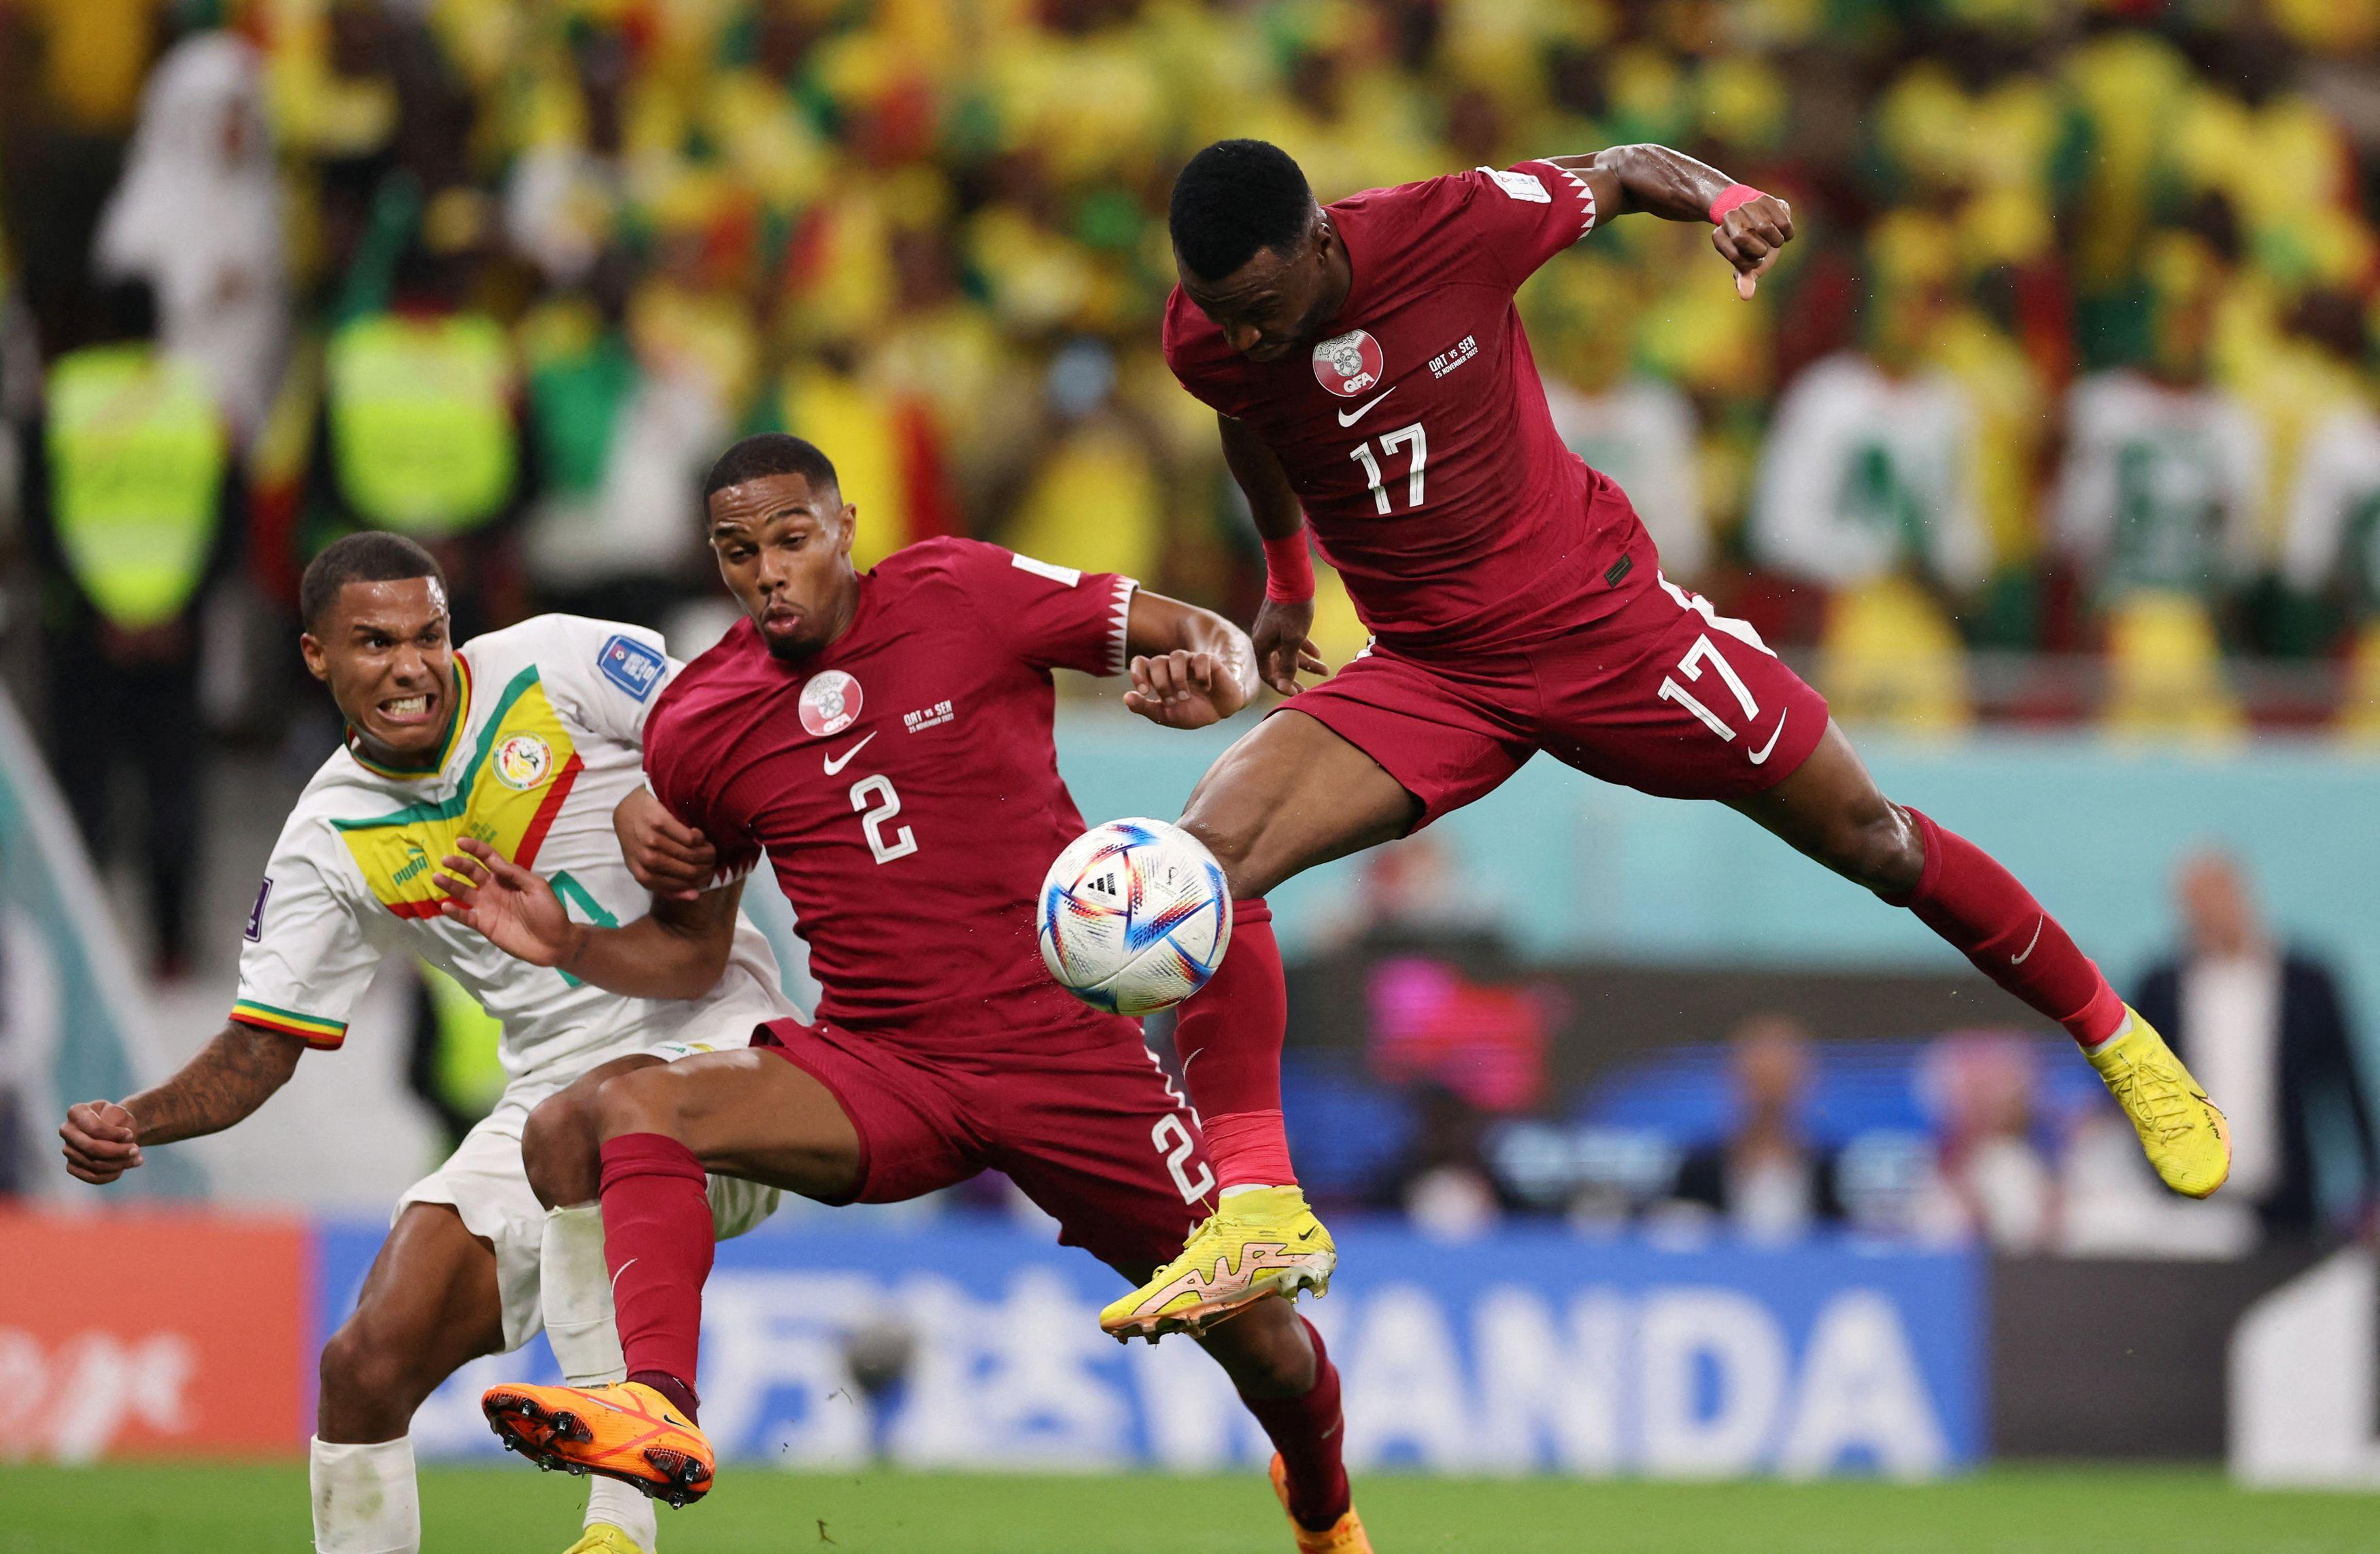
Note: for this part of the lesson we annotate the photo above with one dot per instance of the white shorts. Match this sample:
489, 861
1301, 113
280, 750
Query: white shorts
485, 1183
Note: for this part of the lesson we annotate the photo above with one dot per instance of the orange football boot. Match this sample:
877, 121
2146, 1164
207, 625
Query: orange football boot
625, 1431
1345, 1535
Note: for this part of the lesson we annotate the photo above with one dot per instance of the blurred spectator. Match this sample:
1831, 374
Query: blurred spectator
1868, 490
2164, 468
1869, 469
419, 431
1993, 1182
1638, 428
623, 425
198, 216
130, 484
1765, 1179
2263, 1026
1413, 889
1097, 500
1443, 1184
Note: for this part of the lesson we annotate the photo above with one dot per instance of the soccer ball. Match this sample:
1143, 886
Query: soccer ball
1135, 917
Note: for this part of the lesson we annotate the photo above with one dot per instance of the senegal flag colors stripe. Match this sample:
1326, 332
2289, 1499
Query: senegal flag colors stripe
310, 1029
519, 775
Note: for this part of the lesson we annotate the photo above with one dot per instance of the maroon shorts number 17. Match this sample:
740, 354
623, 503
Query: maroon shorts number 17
1653, 690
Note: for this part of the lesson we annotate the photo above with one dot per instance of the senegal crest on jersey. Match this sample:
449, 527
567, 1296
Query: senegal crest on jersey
520, 772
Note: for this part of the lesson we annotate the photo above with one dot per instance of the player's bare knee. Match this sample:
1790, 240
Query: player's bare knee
1879, 850
561, 1149
644, 1100
368, 1385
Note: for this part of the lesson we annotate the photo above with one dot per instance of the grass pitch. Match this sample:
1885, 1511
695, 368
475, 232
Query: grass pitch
262, 1511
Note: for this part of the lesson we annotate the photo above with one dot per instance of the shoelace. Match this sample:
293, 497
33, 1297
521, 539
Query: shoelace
2155, 1093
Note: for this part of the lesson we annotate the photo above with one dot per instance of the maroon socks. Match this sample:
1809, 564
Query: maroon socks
1228, 1035
1308, 1432
657, 1244
1993, 920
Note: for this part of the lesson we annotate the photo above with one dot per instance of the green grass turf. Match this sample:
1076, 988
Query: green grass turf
262, 1511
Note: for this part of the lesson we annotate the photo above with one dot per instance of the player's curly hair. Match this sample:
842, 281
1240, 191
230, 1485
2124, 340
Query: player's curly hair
374, 556
770, 452
1234, 198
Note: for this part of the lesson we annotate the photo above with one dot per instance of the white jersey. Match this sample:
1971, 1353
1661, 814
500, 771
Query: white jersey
548, 741
1641, 432
2161, 485
1865, 473
2334, 517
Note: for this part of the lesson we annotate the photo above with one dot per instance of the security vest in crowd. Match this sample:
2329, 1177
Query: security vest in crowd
136, 452
421, 421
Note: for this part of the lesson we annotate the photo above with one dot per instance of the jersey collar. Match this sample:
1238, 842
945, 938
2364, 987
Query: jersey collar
417, 772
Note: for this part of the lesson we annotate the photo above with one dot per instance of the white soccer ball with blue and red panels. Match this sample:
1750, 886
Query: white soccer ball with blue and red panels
1135, 917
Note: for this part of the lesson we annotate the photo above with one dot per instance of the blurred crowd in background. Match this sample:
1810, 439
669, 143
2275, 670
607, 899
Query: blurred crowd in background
2059, 409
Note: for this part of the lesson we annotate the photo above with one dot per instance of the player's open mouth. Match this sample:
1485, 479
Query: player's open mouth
407, 709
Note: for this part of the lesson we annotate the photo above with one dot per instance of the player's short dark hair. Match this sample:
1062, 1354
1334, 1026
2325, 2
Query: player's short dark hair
374, 556
770, 452
1234, 198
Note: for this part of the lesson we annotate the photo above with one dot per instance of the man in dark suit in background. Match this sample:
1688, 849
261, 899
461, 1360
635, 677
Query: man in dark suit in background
2264, 1027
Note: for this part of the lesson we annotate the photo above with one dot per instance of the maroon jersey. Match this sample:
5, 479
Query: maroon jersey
905, 785
1416, 434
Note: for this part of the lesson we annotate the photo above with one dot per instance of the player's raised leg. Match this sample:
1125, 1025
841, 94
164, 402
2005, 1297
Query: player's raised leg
660, 1130
1289, 795
1831, 809
428, 1305
575, 1285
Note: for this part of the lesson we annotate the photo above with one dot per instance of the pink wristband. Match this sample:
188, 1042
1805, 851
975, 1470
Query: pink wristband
1729, 198
1289, 570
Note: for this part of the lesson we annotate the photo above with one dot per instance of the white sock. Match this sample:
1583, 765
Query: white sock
575, 1296
365, 1498
608, 1499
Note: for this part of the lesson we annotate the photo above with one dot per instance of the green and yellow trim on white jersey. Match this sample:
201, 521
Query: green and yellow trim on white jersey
519, 775
311, 1029
434, 764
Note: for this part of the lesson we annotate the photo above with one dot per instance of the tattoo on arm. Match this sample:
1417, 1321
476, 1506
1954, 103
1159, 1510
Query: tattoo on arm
236, 1073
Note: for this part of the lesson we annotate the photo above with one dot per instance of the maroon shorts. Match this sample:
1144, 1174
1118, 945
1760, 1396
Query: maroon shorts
1098, 1138
1653, 689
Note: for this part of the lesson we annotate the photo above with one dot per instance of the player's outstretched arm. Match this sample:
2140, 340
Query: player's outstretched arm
237, 1072
1190, 667
1748, 226
677, 951
1281, 635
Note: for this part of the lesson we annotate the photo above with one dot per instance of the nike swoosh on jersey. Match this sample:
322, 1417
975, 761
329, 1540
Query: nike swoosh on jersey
2019, 960
833, 766
1760, 757
1348, 417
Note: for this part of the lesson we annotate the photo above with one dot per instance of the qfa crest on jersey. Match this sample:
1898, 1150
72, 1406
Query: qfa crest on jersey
831, 702
1349, 364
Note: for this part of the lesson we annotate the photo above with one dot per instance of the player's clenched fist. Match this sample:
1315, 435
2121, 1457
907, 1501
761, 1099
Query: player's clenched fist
668, 856
102, 1141
1185, 690
1749, 236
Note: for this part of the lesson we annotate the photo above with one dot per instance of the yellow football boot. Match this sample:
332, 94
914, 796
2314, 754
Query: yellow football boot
601, 1537
1262, 1241
2184, 1135
1345, 1535
625, 1431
